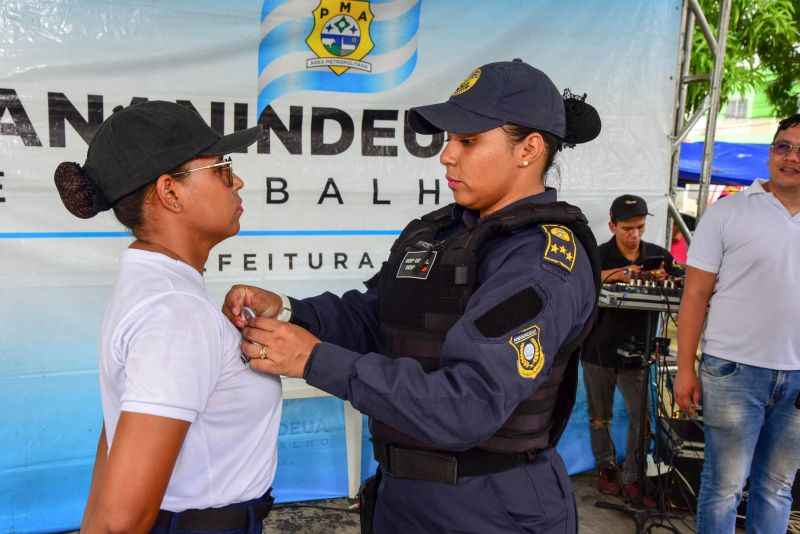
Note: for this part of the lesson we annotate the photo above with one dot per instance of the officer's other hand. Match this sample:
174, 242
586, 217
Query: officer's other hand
277, 347
687, 390
264, 303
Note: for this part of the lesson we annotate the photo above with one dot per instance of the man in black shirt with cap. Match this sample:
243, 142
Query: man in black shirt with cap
603, 367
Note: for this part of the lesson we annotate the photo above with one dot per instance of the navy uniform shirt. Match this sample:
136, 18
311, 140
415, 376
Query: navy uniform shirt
613, 325
479, 382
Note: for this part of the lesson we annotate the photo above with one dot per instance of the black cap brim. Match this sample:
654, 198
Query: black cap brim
449, 117
233, 142
626, 216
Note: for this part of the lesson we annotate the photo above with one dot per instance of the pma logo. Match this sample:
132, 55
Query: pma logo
340, 41
340, 37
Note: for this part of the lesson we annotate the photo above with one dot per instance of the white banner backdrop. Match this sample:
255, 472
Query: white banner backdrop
335, 177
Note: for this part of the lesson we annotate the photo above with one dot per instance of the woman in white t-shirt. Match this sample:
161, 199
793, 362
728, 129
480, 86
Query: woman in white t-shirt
190, 432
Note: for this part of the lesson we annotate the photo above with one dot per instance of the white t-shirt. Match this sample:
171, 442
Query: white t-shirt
753, 244
165, 349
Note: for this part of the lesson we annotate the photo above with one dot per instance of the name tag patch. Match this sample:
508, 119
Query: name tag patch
417, 264
530, 357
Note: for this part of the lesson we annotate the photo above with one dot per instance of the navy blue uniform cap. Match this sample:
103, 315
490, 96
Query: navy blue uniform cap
493, 95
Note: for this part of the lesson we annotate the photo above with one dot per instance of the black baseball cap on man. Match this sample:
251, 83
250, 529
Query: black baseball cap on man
493, 95
627, 206
137, 144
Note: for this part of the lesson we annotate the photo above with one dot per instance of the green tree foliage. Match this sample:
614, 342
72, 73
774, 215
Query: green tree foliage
762, 53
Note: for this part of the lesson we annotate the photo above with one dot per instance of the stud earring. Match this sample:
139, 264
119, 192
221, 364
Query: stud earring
525, 163
175, 205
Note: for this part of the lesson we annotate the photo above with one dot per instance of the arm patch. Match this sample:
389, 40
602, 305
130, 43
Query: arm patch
561, 246
514, 311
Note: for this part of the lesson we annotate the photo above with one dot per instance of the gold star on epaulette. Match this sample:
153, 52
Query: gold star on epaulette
561, 246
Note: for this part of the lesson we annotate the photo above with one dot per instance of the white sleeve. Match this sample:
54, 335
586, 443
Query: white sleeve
173, 357
705, 251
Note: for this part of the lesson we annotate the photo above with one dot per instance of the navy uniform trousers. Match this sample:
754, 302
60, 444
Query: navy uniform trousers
533, 498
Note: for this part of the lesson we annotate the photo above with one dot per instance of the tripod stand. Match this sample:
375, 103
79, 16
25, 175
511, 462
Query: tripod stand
637, 512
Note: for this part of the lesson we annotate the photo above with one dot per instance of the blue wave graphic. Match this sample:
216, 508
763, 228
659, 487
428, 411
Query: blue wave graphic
289, 37
387, 35
323, 81
279, 41
270, 5
392, 34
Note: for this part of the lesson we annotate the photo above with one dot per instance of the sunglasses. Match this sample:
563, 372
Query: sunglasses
782, 148
225, 166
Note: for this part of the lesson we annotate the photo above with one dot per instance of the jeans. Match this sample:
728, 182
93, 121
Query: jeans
752, 427
600, 383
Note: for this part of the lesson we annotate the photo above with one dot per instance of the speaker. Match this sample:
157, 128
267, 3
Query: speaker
681, 444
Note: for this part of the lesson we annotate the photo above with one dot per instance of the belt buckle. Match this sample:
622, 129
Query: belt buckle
449, 474
455, 471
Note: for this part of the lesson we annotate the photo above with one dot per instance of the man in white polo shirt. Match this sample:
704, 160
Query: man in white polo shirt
744, 261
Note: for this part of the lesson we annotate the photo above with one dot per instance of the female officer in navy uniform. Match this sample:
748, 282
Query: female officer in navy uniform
462, 349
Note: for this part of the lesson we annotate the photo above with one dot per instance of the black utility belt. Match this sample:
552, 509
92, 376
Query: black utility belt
445, 467
233, 516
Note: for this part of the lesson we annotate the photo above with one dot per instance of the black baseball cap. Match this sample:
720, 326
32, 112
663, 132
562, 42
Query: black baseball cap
137, 144
493, 95
627, 206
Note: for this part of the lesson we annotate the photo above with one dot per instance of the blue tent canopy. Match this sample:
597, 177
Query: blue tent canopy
734, 163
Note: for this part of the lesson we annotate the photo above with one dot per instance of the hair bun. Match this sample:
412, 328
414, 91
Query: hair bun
582, 120
77, 190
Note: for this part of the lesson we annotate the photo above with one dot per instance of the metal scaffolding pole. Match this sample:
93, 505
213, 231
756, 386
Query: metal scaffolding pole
679, 130
715, 94
692, 17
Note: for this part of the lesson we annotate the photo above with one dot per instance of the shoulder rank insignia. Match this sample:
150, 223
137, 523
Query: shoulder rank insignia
561, 248
530, 357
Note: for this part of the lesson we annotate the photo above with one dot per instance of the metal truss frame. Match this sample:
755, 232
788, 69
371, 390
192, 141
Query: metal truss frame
693, 16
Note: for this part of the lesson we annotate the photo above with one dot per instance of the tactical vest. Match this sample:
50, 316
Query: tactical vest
423, 289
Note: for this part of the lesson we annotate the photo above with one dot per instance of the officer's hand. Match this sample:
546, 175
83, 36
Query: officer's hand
687, 390
264, 303
277, 347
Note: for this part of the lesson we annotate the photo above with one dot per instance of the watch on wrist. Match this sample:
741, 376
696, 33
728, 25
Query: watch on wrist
286, 309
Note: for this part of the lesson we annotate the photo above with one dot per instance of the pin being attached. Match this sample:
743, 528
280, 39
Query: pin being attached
247, 314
